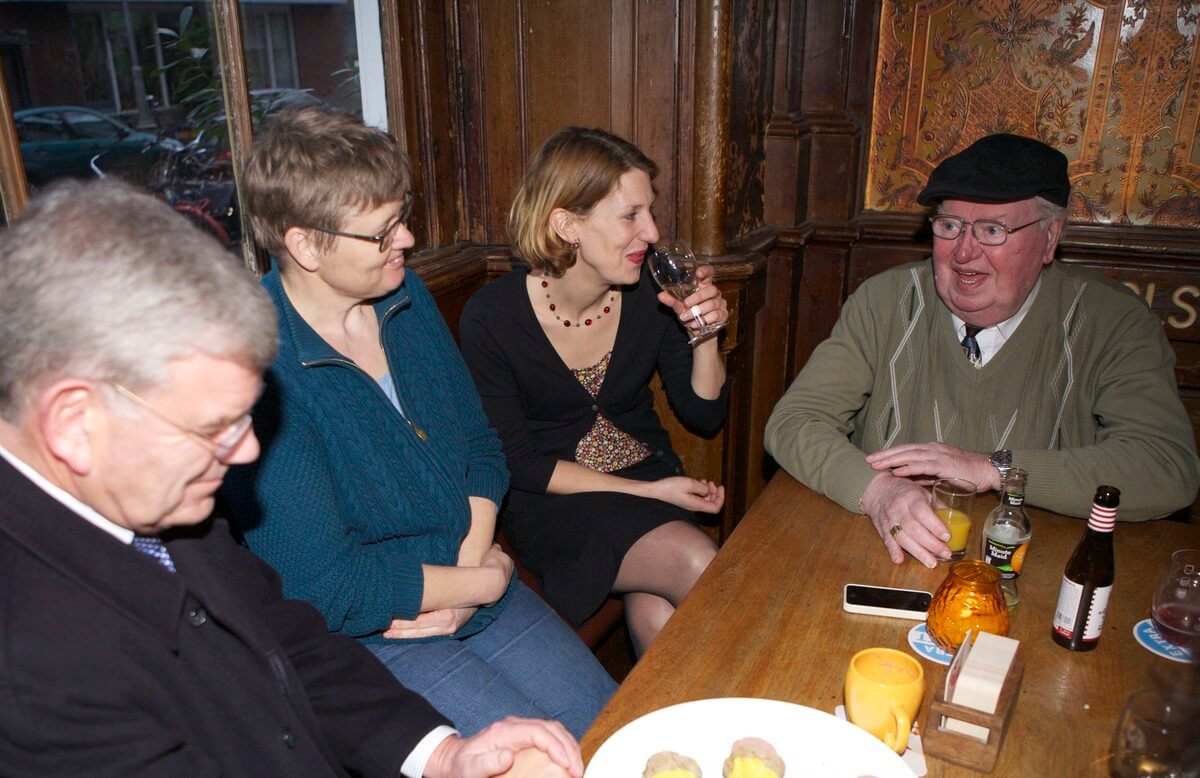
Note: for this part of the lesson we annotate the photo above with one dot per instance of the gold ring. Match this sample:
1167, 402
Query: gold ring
895, 528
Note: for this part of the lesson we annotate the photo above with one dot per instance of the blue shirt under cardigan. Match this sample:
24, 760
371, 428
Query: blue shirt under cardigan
346, 500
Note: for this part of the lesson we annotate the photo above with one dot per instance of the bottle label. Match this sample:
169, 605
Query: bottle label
1008, 558
1068, 606
1014, 499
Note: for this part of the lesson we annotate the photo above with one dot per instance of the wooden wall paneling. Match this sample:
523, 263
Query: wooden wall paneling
742, 454
862, 28
454, 273
887, 240
784, 145
495, 119
827, 136
820, 291
623, 68
772, 356
566, 65
759, 376
14, 189
786, 150
429, 49
686, 25
751, 83
473, 202
657, 97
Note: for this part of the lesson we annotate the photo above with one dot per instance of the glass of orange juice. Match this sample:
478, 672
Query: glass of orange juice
952, 501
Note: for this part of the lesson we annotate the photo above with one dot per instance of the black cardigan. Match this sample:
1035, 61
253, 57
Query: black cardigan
537, 405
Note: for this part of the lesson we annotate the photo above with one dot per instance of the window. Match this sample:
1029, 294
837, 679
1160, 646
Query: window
135, 90
270, 49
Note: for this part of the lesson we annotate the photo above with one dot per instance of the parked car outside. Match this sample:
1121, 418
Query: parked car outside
60, 141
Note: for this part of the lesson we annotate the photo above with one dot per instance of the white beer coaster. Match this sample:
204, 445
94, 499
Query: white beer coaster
922, 643
913, 756
1146, 634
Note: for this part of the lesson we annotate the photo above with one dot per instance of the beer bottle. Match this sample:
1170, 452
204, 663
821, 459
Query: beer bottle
1006, 533
1088, 579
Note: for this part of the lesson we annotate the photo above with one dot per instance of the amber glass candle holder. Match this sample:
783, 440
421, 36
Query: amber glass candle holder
968, 599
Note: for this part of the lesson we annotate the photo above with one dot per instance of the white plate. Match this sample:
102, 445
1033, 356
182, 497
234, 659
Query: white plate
812, 743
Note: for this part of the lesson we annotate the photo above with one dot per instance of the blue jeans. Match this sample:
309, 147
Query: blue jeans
526, 663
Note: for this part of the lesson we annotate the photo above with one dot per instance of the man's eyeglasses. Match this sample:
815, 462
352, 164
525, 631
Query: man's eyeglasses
987, 231
222, 443
384, 239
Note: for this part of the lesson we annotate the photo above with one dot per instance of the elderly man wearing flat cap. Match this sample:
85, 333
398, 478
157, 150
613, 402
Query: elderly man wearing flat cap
990, 356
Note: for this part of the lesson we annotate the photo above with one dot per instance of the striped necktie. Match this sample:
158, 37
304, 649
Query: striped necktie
153, 548
971, 346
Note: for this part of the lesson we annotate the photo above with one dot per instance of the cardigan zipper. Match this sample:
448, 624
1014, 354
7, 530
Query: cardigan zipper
420, 433
383, 320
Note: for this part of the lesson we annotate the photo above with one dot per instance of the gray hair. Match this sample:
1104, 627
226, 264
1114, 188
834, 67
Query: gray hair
1050, 211
104, 282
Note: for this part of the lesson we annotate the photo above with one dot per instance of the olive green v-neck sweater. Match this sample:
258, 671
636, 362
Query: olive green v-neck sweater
1083, 393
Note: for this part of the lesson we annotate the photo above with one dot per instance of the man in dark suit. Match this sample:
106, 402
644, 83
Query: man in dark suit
136, 638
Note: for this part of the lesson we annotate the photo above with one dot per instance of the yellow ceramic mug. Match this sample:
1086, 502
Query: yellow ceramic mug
883, 694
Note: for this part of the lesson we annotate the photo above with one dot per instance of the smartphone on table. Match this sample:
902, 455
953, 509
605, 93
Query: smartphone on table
886, 601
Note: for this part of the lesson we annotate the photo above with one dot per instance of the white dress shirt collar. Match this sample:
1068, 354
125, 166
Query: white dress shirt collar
73, 503
991, 339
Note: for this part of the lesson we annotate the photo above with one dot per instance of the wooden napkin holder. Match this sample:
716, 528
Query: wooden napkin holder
962, 749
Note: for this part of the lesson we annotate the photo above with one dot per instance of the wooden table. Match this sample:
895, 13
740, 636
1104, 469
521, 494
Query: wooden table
766, 620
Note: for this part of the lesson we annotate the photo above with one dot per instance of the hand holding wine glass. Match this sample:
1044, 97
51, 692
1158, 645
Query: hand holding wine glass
678, 273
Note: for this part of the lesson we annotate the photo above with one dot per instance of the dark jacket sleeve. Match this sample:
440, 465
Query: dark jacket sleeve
369, 719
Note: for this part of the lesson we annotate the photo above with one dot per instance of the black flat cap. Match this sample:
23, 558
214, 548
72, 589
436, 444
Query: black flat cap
1000, 169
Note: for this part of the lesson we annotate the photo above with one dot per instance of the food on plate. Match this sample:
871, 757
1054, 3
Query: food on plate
752, 757
668, 764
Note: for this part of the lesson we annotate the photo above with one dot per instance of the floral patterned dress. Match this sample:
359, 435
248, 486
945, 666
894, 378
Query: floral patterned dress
604, 447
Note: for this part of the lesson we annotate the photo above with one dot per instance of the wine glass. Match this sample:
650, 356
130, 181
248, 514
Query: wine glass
1176, 604
673, 266
1154, 737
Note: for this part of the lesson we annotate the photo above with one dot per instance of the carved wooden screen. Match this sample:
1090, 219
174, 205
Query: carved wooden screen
1113, 85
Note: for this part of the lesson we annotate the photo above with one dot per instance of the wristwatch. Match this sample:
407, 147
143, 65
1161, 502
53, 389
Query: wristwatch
1002, 461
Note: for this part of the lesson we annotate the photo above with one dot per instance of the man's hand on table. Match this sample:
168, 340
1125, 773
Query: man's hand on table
926, 462
494, 752
892, 502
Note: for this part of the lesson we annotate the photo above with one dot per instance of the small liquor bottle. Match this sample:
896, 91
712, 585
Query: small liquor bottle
1088, 579
1006, 533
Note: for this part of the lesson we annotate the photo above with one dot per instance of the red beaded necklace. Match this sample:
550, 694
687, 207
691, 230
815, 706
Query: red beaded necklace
567, 322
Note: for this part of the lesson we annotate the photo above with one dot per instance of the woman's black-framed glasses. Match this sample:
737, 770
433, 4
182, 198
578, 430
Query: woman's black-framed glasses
384, 239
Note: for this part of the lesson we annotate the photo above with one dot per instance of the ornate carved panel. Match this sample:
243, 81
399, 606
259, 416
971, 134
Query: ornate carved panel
1114, 85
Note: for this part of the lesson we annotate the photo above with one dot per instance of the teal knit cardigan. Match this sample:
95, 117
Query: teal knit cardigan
350, 496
